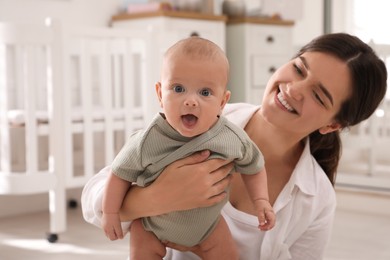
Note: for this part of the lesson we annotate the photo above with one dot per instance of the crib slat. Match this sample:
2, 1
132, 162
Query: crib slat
18, 77
29, 83
109, 84
57, 130
86, 94
129, 86
5, 152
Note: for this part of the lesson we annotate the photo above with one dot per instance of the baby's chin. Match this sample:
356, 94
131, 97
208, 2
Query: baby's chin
189, 133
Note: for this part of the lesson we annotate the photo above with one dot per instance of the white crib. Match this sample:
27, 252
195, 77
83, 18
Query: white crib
68, 99
366, 147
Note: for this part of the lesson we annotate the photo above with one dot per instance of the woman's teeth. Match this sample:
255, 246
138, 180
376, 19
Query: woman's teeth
284, 102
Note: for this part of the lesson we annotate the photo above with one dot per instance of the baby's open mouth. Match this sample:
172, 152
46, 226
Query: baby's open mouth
189, 120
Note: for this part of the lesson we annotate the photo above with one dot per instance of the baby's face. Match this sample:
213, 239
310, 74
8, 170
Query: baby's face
192, 93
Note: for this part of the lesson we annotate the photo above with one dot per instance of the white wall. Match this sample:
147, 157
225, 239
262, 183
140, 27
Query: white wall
341, 20
79, 12
98, 13
311, 23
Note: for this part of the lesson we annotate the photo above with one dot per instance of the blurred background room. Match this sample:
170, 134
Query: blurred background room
76, 76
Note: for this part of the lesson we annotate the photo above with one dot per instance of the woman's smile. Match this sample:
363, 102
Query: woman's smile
284, 103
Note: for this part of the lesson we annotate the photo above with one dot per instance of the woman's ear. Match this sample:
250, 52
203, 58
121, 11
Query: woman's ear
329, 128
159, 93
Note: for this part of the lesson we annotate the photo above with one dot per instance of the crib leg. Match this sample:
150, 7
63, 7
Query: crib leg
72, 204
52, 238
57, 208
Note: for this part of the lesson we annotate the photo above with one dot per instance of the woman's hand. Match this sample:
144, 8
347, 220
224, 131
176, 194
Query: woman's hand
185, 184
193, 182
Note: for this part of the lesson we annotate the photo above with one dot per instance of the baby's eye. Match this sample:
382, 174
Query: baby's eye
205, 92
178, 89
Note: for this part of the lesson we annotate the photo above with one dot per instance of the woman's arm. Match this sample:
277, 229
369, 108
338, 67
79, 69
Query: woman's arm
188, 183
92, 197
185, 184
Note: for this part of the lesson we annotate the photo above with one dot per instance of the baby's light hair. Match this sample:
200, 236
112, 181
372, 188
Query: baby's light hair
197, 47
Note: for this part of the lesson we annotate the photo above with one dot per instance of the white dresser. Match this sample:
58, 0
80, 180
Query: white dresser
164, 28
256, 47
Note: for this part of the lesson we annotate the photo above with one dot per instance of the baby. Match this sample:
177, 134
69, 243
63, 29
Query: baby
192, 94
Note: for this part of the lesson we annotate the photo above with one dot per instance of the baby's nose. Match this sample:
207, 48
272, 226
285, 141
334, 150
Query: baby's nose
191, 102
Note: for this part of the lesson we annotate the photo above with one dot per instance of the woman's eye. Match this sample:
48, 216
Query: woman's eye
298, 69
205, 92
178, 89
318, 98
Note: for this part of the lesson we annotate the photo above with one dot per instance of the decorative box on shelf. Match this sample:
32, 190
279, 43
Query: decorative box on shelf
256, 47
164, 28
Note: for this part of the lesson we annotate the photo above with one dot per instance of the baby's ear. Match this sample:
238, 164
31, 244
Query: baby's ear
329, 128
225, 99
159, 93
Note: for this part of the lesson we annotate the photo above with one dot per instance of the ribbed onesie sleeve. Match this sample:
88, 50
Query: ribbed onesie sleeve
128, 163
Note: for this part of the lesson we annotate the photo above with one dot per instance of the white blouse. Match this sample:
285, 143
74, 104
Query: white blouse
304, 210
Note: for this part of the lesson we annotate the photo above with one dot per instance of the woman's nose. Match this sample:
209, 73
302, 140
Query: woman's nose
294, 90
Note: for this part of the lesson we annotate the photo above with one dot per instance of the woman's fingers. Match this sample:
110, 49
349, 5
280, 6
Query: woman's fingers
220, 178
192, 159
222, 172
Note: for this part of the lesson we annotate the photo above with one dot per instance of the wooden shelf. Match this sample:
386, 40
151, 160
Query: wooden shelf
259, 20
202, 16
173, 14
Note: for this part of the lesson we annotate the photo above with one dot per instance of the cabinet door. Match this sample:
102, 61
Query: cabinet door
262, 67
269, 39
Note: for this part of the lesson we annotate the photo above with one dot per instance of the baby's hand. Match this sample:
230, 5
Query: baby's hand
112, 226
265, 215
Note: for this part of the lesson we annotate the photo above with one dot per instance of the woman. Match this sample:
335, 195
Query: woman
334, 82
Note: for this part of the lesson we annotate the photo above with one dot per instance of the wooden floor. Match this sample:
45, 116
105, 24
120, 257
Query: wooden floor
361, 232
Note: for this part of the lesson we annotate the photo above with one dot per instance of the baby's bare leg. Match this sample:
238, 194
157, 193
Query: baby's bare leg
219, 244
144, 244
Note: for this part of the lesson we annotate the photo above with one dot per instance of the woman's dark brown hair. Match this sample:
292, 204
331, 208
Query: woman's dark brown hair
368, 77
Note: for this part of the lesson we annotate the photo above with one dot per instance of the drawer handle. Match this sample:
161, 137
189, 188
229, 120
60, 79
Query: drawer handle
194, 34
270, 39
272, 69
